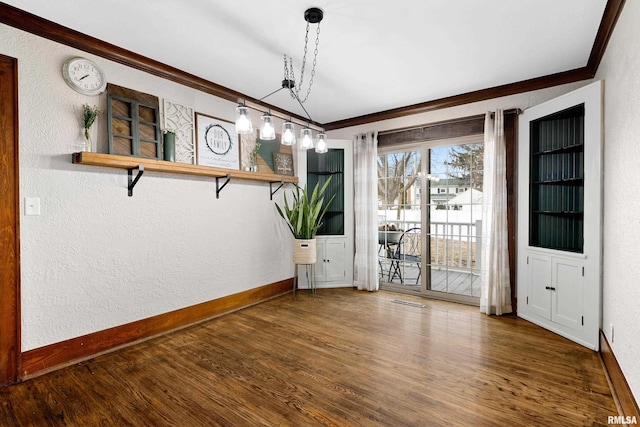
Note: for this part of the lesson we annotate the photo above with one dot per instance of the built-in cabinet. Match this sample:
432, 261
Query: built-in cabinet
560, 215
334, 241
331, 265
563, 280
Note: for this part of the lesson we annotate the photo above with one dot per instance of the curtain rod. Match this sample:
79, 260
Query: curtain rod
446, 122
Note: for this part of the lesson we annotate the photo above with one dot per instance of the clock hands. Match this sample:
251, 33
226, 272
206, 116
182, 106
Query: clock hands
83, 77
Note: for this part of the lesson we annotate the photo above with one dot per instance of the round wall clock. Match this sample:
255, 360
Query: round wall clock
84, 76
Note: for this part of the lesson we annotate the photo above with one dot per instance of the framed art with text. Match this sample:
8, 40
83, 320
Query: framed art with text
283, 163
217, 142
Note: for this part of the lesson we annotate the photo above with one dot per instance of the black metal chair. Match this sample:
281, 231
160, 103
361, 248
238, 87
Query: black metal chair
408, 251
387, 240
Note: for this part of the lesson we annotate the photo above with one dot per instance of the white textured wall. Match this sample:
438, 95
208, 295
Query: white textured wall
620, 69
96, 258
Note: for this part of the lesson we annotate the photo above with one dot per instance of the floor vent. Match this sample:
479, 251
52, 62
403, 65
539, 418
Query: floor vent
412, 304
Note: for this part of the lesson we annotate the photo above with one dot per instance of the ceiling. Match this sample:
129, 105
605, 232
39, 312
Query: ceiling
373, 55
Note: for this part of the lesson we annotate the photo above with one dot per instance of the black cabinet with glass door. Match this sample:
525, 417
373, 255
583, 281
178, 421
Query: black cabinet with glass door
321, 166
556, 204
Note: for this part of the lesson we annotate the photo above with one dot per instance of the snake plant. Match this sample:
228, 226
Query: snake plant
304, 215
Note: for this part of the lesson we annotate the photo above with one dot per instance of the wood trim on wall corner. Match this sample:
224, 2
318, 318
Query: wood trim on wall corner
620, 388
10, 320
609, 19
54, 356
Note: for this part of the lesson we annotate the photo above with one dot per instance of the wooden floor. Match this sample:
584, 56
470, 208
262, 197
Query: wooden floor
348, 358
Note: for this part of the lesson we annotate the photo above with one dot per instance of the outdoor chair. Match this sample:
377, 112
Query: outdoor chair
387, 241
407, 253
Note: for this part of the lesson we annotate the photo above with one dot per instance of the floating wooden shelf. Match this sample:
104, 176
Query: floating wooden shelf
132, 163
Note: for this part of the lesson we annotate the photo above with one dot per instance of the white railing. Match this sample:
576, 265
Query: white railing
452, 244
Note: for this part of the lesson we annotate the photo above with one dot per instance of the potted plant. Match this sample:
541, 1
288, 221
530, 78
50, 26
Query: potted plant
89, 116
304, 218
254, 157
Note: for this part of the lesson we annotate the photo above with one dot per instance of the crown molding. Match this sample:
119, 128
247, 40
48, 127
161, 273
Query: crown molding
612, 11
33, 24
44, 28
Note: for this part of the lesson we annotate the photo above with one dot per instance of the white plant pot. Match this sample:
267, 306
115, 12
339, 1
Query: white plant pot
304, 251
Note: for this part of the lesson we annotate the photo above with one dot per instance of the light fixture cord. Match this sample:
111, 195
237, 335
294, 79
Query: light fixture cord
295, 92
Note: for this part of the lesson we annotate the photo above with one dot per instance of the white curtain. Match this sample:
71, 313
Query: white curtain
495, 292
365, 203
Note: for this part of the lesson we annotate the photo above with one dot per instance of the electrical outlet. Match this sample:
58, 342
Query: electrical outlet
611, 334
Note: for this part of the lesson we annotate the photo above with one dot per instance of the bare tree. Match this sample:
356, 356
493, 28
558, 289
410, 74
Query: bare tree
401, 172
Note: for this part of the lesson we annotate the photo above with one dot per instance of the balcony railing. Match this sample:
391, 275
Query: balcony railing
453, 246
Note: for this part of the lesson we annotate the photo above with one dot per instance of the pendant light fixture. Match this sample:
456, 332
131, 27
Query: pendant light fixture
306, 139
312, 15
267, 129
243, 120
288, 133
321, 144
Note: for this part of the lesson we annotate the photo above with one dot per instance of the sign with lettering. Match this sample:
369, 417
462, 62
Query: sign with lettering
217, 142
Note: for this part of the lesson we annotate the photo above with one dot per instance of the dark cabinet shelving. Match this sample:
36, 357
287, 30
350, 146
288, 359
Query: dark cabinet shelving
319, 168
557, 181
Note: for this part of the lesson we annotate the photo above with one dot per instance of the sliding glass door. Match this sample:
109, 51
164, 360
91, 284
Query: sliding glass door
429, 211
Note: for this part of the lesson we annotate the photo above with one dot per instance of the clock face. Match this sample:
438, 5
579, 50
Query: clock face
84, 76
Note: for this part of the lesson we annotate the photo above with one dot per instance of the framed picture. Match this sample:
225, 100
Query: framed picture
217, 142
283, 163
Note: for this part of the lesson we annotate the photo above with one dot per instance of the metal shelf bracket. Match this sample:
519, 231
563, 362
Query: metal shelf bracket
218, 187
276, 190
134, 181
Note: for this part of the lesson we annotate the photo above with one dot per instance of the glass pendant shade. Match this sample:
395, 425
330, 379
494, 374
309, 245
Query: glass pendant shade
267, 130
306, 139
288, 134
243, 120
321, 145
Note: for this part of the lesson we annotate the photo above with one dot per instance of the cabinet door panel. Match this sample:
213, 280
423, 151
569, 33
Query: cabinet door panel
539, 298
567, 301
336, 258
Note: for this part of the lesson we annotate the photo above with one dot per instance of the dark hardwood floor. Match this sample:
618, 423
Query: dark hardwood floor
348, 358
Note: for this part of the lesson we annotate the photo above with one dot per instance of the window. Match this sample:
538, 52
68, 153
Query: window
134, 123
445, 264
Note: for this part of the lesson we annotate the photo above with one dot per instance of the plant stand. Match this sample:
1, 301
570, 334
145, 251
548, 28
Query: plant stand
311, 280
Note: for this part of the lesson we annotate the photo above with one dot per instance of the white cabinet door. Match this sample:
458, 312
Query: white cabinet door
539, 282
568, 293
335, 258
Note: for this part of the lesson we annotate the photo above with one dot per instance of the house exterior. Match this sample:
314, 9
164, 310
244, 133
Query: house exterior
442, 191
174, 245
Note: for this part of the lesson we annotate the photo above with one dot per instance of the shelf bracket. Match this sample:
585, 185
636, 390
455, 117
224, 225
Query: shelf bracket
134, 181
218, 187
276, 190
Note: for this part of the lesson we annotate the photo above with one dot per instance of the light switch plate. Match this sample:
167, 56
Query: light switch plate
32, 206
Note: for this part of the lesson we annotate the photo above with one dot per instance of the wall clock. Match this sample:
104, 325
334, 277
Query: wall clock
84, 76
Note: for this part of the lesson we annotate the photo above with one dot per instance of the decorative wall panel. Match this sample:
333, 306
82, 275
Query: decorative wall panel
181, 119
